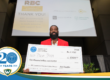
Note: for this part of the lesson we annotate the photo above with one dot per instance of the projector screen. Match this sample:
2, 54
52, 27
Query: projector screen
34, 18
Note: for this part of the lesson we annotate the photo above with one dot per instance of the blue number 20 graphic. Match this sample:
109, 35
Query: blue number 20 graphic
10, 58
2, 57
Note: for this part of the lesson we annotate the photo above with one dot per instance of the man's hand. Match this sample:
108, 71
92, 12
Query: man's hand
25, 70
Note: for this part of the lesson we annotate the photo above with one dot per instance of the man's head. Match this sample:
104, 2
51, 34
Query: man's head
54, 32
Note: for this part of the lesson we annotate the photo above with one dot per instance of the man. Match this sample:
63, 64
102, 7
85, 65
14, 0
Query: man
53, 40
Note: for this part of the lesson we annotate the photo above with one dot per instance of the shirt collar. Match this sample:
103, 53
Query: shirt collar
54, 44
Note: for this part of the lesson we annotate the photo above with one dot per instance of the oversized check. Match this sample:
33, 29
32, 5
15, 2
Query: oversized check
54, 59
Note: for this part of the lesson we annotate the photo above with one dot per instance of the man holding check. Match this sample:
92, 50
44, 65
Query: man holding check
53, 40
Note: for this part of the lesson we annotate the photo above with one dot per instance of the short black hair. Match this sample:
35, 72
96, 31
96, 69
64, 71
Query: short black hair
54, 25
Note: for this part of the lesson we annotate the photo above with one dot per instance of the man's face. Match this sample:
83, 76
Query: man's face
53, 32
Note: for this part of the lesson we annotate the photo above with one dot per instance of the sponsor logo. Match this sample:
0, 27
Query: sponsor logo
33, 49
82, 11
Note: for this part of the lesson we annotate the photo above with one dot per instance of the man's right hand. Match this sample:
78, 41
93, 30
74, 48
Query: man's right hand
25, 70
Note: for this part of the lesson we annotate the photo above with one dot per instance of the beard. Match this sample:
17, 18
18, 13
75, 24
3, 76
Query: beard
53, 36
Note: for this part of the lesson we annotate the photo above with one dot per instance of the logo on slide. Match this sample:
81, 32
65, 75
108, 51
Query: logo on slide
54, 17
81, 11
33, 49
10, 61
32, 2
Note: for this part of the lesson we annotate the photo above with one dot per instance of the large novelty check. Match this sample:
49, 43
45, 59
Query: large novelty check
54, 59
